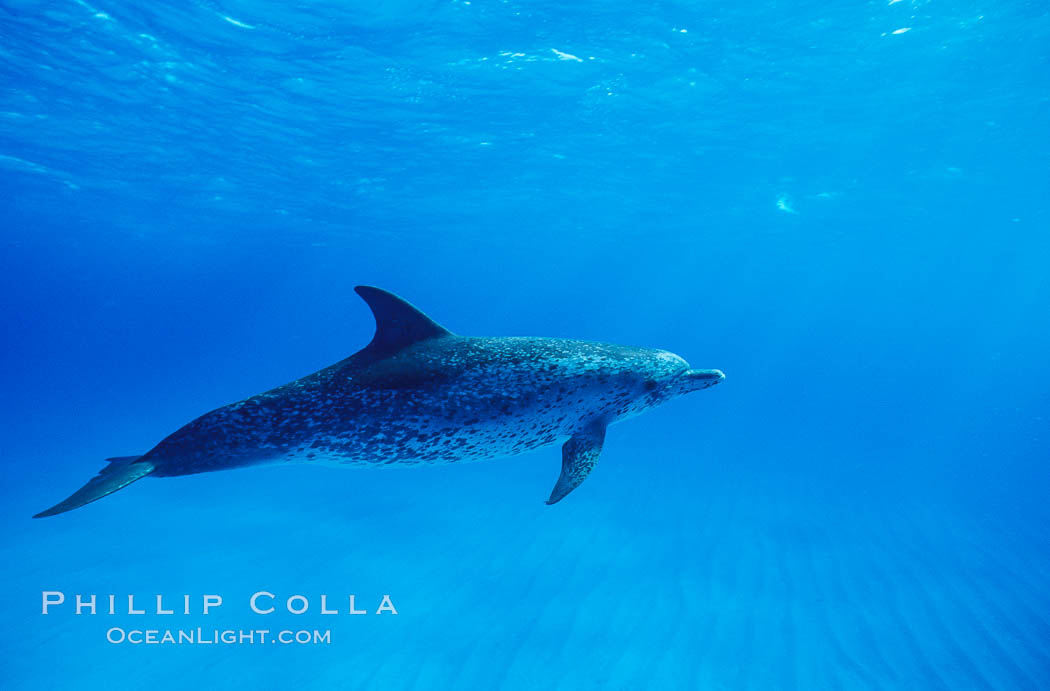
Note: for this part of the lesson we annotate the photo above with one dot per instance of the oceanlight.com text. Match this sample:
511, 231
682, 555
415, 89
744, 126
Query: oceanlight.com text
201, 636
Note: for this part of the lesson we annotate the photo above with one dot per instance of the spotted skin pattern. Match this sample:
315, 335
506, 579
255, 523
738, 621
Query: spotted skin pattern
579, 455
445, 400
420, 394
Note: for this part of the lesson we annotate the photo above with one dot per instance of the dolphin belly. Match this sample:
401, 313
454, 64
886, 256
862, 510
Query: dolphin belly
364, 431
430, 439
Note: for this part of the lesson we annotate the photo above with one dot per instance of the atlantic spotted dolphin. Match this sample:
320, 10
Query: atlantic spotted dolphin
418, 393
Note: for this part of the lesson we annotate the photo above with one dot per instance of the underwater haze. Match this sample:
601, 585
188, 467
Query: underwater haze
842, 205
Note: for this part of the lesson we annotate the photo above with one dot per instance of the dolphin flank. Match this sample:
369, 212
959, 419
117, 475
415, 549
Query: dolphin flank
417, 393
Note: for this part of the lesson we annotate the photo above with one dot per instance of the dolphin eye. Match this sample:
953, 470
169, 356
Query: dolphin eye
650, 385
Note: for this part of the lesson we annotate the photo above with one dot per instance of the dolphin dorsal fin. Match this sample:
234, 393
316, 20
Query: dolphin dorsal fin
398, 323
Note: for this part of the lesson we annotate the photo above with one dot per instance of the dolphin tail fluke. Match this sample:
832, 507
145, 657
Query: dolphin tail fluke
120, 472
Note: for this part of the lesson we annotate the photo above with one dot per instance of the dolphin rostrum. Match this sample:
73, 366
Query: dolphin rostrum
417, 393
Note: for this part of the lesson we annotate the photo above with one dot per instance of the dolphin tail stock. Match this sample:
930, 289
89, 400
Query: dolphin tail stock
121, 472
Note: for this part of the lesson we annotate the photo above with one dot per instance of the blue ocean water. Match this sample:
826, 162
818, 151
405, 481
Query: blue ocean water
844, 206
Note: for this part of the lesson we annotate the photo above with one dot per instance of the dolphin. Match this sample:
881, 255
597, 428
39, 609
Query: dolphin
418, 393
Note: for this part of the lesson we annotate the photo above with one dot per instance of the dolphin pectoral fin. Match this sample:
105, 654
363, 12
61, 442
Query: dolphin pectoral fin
578, 457
120, 472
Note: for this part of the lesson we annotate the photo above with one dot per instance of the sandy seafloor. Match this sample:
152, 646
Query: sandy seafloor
663, 574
